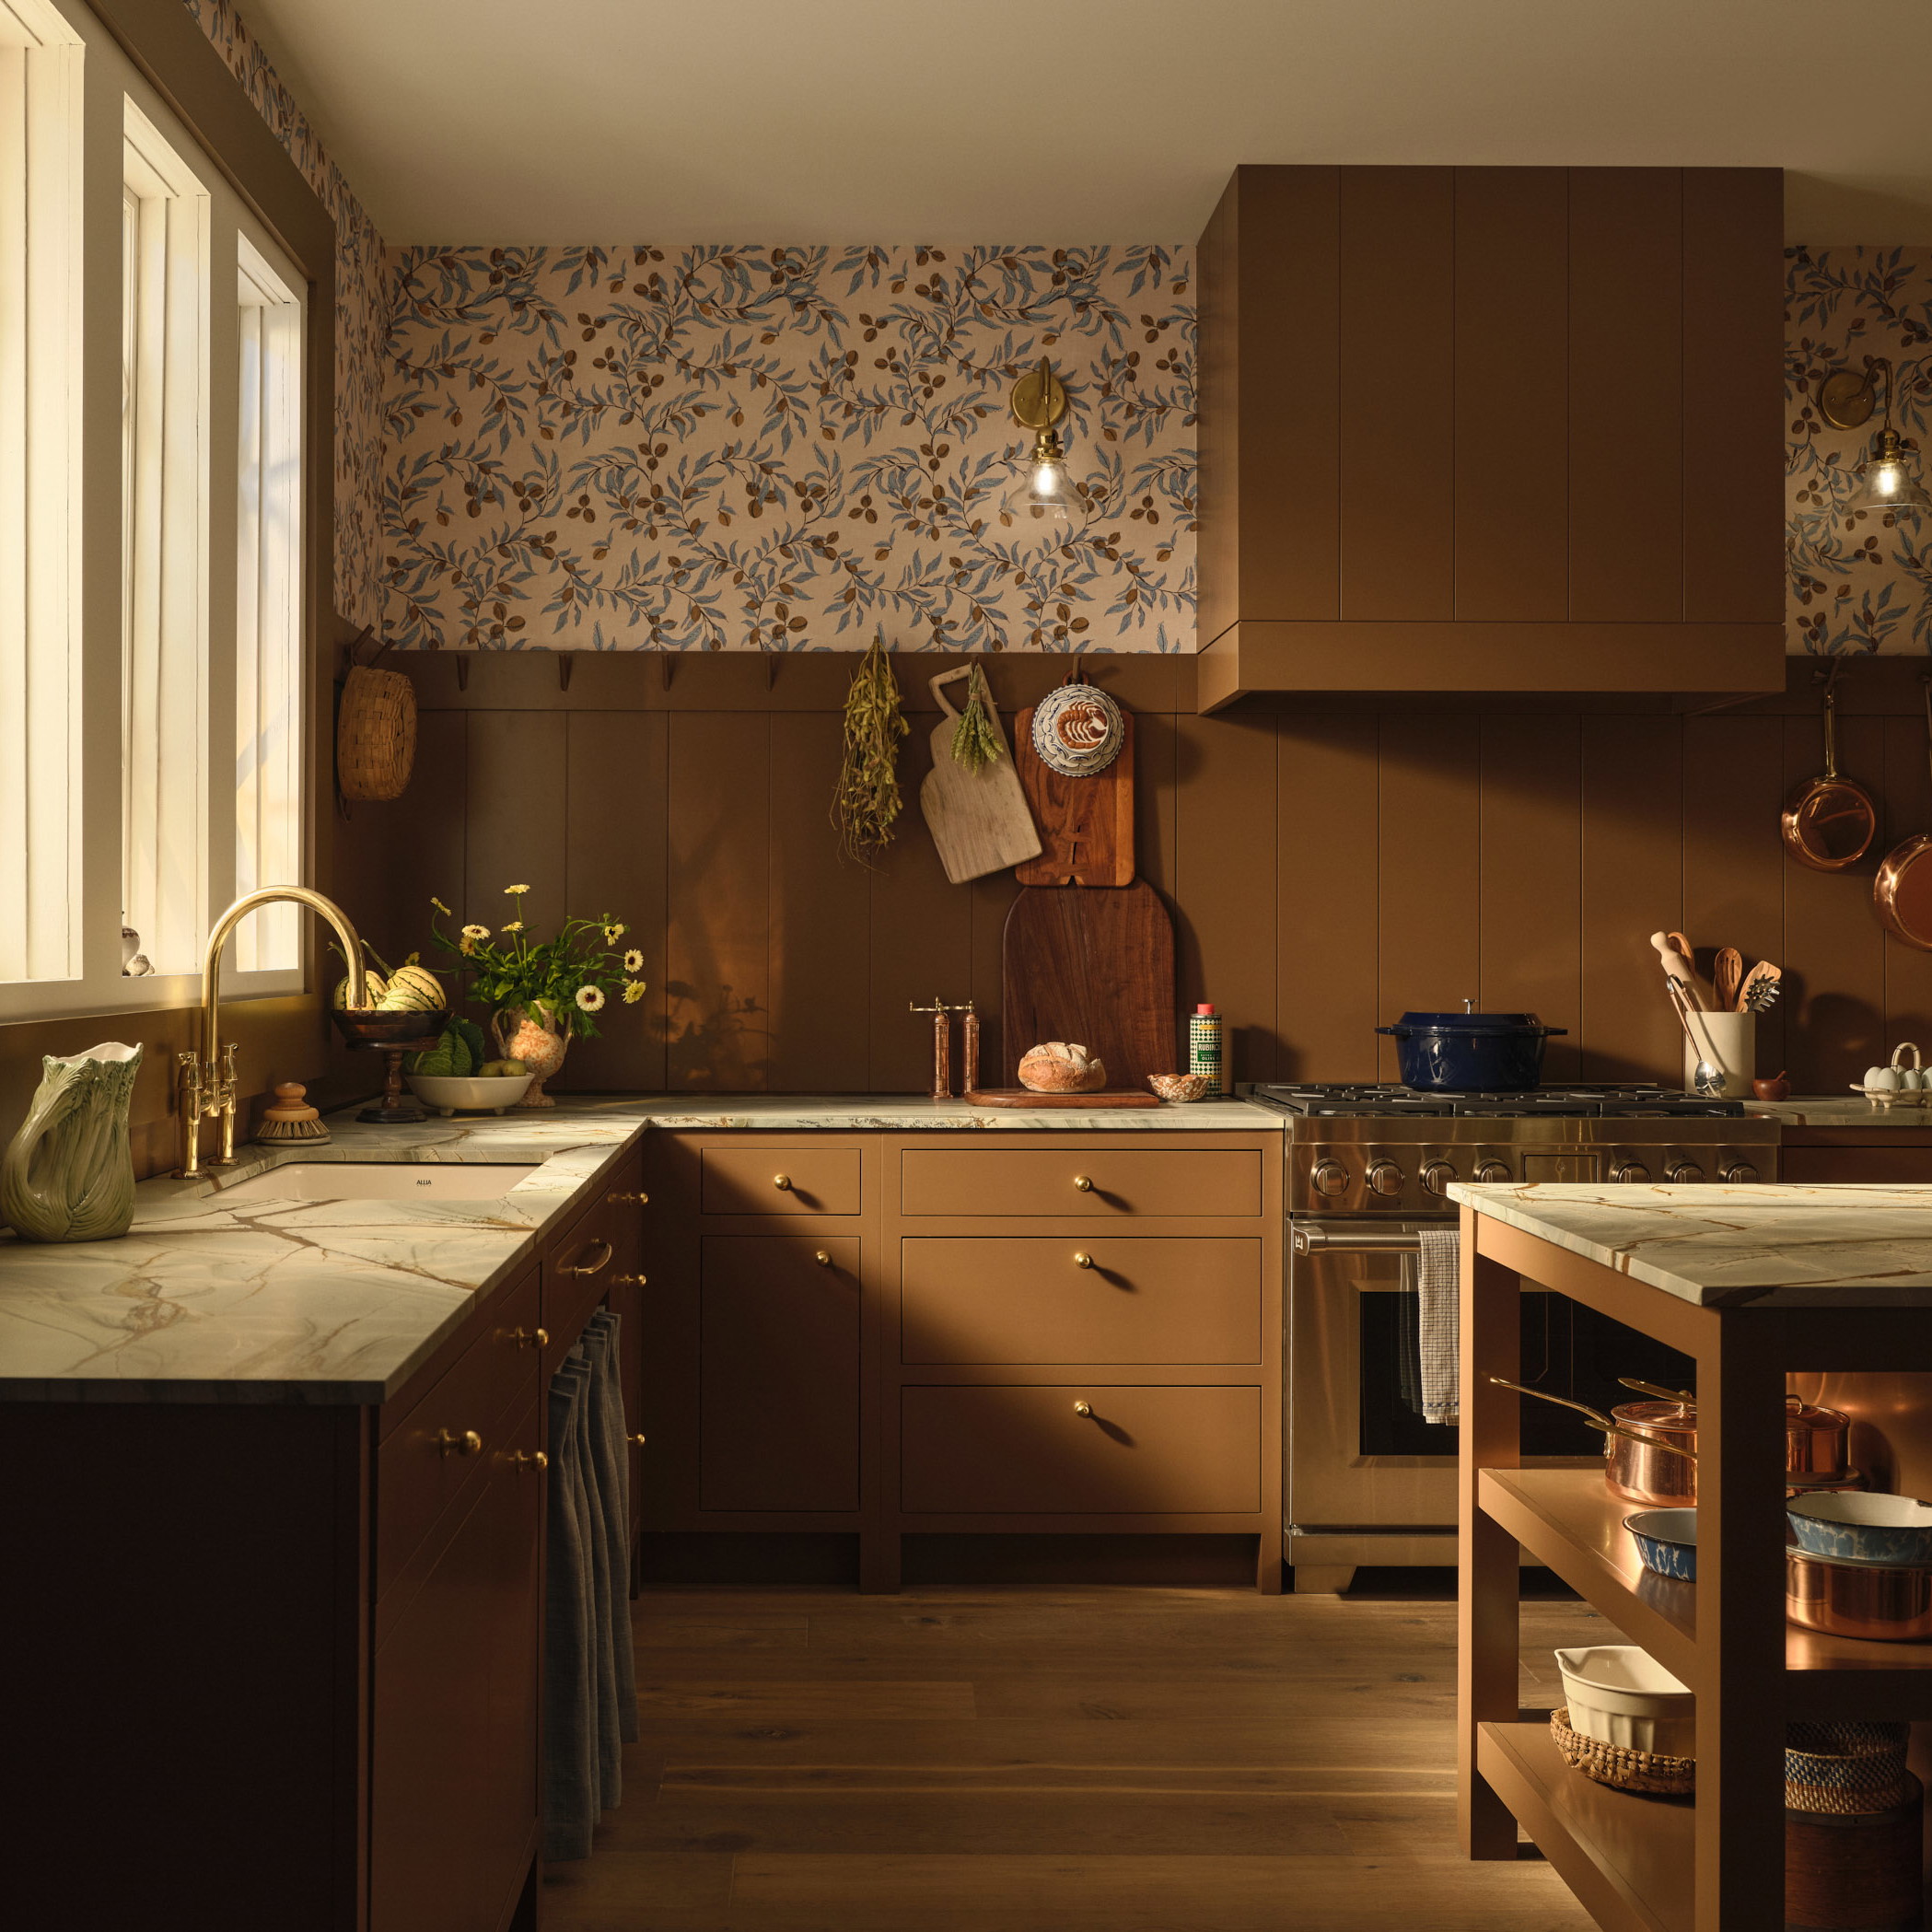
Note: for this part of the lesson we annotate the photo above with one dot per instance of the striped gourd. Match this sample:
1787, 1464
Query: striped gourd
413, 989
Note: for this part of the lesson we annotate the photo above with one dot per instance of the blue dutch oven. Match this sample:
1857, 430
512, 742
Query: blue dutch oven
1470, 1052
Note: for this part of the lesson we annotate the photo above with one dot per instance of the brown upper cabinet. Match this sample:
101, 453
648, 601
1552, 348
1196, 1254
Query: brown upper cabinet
1492, 429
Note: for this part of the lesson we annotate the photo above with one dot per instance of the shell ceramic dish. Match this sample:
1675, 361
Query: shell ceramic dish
1851, 1527
478, 1093
1620, 1695
1667, 1541
1181, 1087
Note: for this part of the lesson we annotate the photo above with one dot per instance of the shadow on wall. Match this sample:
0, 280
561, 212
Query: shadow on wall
719, 1048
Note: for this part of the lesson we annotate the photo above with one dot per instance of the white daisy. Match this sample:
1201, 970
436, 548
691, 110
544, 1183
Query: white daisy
633, 960
515, 890
590, 998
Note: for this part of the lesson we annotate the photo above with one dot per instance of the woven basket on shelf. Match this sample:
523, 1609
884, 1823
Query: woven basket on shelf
1846, 1770
1618, 1765
376, 733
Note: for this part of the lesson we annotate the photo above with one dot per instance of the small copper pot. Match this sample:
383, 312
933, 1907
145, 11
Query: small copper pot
1649, 1448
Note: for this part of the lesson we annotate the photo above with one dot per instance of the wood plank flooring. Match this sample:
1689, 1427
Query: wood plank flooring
1084, 1761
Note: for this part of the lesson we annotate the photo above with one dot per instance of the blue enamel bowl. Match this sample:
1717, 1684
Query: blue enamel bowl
1667, 1541
1859, 1527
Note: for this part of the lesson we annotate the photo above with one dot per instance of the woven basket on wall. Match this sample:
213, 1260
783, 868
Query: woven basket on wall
376, 733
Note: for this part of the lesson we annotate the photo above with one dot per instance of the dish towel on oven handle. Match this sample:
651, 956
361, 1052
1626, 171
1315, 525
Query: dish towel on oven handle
1438, 1275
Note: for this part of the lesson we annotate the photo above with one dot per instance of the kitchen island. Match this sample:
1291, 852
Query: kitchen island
1753, 1284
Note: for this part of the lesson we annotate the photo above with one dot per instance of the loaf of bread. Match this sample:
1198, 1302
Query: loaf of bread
1060, 1066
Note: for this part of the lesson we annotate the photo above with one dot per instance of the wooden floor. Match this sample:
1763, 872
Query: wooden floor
1084, 1761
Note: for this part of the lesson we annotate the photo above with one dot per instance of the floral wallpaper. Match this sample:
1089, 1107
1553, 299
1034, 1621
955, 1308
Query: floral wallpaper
361, 315
1859, 582
715, 447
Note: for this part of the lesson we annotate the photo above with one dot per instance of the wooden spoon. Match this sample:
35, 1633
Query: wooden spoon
1727, 977
1677, 966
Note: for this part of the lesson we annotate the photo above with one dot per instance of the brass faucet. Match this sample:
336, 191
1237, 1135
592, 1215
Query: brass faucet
205, 1087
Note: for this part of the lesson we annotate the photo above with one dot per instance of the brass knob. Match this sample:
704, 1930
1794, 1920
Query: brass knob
627, 1200
449, 1442
1083, 1261
529, 1338
1083, 1183
533, 1460
627, 1281
636, 1441
1083, 1408
783, 1182
823, 1259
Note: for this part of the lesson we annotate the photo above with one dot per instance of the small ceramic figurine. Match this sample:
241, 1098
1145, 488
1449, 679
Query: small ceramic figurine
69, 1175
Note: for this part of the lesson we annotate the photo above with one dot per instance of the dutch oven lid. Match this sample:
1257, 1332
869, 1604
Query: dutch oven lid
1471, 1024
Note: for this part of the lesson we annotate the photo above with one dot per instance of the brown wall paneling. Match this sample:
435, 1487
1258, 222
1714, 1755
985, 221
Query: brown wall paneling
1328, 902
1733, 857
1632, 886
716, 964
1226, 875
1430, 955
1531, 891
1834, 945
1397, 394
1908, 810
1625, 462
518, 831
615, 799
1511, 393
1734, 449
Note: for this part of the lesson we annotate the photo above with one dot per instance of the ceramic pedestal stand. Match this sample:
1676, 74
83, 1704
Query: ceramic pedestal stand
393, 1034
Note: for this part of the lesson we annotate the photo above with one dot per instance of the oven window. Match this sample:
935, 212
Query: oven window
1566, 1349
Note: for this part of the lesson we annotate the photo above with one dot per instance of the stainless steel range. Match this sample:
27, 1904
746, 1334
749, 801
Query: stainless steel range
1368, 1480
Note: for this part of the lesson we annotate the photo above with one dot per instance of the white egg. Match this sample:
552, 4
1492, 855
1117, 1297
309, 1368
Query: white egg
1885, 1078
1912, 1076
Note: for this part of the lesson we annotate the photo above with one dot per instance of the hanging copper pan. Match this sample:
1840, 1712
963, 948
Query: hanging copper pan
1830, 822
1902, 890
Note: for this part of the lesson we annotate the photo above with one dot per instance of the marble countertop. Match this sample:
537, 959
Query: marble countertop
1846, 1110
1760, 1245
282, 1300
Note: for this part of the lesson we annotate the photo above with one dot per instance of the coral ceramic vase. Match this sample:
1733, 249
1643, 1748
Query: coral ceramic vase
532, 1035
69, 1175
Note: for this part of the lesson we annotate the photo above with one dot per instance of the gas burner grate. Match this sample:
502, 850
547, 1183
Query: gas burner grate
1610, 1100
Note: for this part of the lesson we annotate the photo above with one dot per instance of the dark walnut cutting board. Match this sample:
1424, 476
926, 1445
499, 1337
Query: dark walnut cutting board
1086, 825
1094, 964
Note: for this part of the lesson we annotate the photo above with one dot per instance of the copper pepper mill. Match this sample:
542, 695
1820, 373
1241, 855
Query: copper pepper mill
942, 1044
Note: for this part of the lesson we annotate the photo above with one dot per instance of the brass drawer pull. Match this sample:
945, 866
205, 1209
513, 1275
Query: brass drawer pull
637, 1441
1084, 1183
823, 1259
1083, 1261
535, 1460
599, 1265
1083, 1408
527, 1337
452, 1442
783, 1182
627, 1281
627, 1200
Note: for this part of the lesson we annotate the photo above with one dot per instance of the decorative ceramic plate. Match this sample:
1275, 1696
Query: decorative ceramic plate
1077, 730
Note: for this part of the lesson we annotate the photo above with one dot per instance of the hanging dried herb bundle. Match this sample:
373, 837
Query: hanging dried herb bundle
975, 738
867, 801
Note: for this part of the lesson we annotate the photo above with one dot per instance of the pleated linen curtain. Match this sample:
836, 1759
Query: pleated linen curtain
590, 1676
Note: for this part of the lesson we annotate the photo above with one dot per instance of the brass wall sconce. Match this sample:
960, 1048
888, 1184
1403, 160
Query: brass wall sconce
1847, 399
1043, 504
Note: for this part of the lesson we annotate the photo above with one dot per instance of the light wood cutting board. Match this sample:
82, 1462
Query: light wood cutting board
979, 820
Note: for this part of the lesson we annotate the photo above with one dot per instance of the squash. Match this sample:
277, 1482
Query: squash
377, 986
413, 989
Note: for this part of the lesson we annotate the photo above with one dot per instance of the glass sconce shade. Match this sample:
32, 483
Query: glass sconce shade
1042, 505
1888, 481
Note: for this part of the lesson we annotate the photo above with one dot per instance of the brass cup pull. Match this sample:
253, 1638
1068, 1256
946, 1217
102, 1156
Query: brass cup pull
783, 1182
535, 1460
627, 1200
453, 1442
1083, 1261
636, 1441
1083, 1408
529, 1338
823, 1259
627, 1281
596, 1267
1084, 1183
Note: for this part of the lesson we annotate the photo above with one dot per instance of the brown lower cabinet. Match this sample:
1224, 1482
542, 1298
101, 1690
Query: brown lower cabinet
280, 1662
889, 1335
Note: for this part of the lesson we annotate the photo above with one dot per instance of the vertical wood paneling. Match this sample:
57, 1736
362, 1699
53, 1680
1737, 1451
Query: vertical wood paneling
1225, 876
1632, 886
1733, 404
1512, 393
1625, 449
821, 983
1834, 948
1397, 389
1733, 858
614, 862
1429, 958
1328, 909
1531, 880
717, 977
1908, 810
517, 830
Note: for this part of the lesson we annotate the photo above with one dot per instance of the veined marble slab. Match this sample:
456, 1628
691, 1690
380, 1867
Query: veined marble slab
1840, 1110
891, 1113
1762, 1245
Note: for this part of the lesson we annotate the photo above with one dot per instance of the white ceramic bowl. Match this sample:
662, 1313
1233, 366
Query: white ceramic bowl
1863, 1528
1620, 1695
476, 1093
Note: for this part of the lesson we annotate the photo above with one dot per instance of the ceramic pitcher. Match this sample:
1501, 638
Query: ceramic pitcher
69, 1174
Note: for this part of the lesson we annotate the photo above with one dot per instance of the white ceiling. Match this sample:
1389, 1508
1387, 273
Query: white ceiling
1050, 121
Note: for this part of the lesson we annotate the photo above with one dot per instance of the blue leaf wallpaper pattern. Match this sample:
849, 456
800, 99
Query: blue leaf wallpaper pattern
726, 447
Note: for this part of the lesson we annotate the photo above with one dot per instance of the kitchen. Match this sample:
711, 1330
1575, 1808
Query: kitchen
815, 1434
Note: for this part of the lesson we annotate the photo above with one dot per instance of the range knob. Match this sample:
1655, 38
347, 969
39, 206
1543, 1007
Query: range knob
1739, 1172
1680, 1173
1436, 1177
1492, 1171
1385, 1177
1328, 1178
1630, 1172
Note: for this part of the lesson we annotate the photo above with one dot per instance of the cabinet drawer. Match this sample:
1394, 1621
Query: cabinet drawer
600, 1257
1098, 1298
1046, 1180
1013, 1452
424, 1462
780, 1181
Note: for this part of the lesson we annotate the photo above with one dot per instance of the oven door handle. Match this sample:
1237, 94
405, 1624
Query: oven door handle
1369, 1240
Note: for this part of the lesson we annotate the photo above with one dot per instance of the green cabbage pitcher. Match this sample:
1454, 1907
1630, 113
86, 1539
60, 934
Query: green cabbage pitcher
69, 1175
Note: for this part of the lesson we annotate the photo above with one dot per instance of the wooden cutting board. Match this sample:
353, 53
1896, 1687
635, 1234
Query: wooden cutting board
1093, 965
979, 820
1086, 825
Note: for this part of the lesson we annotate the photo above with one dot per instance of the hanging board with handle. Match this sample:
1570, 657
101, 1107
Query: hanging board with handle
978, 818
1086, 825
1093, 965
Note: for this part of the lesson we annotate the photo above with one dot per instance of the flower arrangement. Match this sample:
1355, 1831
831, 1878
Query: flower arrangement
572, 975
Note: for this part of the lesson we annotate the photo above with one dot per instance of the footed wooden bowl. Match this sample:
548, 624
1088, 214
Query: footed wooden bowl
1181, 1087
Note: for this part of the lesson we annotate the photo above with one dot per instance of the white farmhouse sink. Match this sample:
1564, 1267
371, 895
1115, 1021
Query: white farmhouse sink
374, 1181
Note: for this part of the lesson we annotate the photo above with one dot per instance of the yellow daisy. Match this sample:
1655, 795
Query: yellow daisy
632, 992
633, 960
